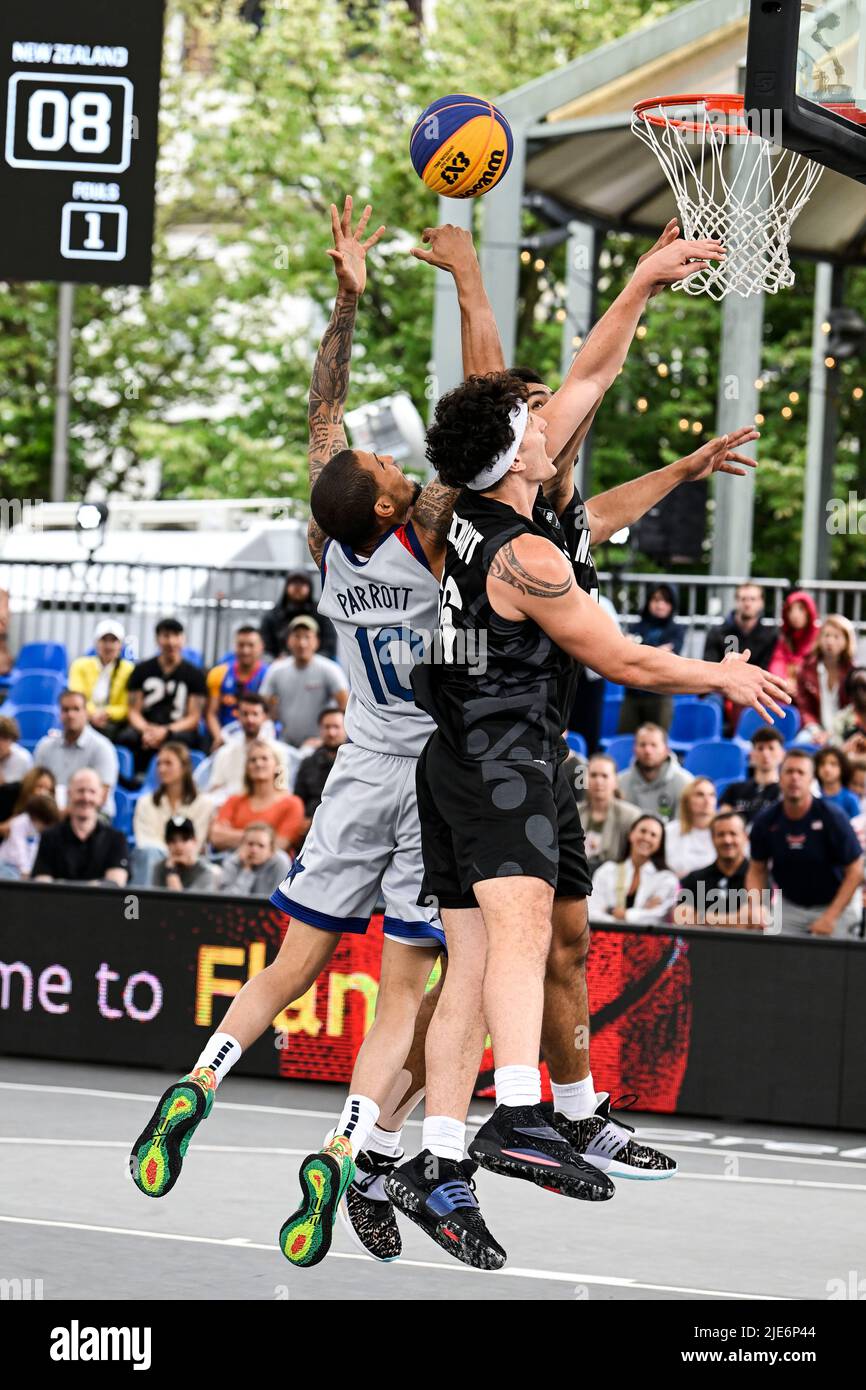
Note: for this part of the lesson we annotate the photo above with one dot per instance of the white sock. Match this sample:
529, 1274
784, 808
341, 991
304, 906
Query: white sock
220, 1054
577, 1100
385, 1141
444, 1137
517, 1085
357, 1118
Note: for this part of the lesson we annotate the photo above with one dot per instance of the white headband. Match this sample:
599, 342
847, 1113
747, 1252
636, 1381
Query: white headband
501, 464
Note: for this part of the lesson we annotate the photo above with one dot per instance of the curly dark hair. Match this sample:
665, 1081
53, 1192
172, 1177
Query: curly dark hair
472, 425
343, 500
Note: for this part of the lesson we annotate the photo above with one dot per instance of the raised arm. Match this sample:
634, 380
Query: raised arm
329, 387
623, 505
596, 365
452, 248
531, 578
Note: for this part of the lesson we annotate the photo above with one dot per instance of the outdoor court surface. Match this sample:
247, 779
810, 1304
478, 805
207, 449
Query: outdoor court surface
756, 1211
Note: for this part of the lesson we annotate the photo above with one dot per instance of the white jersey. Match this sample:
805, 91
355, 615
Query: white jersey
385, 609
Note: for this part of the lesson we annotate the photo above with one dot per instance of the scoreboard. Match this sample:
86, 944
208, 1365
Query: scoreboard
79, 106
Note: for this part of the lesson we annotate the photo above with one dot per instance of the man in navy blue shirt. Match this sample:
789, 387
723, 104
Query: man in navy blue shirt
813, 854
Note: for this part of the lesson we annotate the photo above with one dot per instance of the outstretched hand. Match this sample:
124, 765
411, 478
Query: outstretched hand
670, 233
450, 248
672, 260
720, 456
349, 252
752, 686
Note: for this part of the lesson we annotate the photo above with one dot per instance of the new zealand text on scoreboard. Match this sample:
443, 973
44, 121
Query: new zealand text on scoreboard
79, 104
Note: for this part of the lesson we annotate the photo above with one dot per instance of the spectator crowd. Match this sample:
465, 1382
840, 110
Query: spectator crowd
161, 773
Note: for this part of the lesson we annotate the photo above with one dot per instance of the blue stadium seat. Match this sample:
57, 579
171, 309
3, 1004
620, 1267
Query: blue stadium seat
718, 759
125, 761
609, 716
576, 742
194, 655
42, 656
34, 721
124, 810
788, 725
693, 722
620, 749
35, 687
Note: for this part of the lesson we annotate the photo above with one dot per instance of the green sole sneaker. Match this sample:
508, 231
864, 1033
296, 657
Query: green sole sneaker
305, 1238
158, 1152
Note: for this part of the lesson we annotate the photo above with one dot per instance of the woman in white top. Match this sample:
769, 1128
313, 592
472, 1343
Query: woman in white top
640, 888
689, 841
176, 795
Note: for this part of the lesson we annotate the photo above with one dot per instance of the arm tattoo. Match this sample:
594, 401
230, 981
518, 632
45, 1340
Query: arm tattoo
508, 568
330, 386
432, 511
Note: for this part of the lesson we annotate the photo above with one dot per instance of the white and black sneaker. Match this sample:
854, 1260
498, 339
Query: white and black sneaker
366, 1210
607, 1143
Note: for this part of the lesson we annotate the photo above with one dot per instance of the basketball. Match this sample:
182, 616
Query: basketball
461, 146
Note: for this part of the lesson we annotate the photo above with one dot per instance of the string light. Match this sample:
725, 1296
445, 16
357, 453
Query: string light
576, 340
539, 264
525, 257
759, 419
662, 368
830, 362
641, 330
698, 427
684, 424
857, 393
825, 327
642, 403
560, 316
787, 412
793, 397
759, 383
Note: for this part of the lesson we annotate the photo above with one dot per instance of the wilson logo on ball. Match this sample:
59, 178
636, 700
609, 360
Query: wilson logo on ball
461, 146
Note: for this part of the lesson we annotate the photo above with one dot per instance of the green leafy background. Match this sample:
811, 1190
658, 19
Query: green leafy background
206, 374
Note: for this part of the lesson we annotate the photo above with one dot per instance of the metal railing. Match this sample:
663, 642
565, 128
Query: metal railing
54, 602
63, 601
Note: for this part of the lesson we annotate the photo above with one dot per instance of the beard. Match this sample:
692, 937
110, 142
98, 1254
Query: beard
417, 489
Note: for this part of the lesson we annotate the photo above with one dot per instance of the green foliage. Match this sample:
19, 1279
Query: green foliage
206, 374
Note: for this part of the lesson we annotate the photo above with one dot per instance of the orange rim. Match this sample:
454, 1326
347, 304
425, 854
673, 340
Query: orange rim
725, 103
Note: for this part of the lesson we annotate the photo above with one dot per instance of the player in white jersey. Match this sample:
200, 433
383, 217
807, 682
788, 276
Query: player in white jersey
380, 540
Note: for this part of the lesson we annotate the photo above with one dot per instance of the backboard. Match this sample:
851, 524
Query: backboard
806, 79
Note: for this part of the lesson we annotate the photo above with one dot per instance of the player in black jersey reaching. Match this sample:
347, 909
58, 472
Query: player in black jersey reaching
487, 786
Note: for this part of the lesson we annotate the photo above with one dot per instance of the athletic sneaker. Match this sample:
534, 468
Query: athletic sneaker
445, 1206
305, 1238
518, 1142
158, 1152
607, 1143
366, 1210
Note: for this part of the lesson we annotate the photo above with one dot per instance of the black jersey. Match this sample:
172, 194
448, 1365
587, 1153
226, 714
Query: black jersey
570, 531
497, 687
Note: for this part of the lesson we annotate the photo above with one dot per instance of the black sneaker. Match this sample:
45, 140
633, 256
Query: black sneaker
366, 1211
518, 1142
607, 1143
439, 1196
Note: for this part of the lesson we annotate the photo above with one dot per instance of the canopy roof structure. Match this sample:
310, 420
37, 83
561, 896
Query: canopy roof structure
581, 151
578, 162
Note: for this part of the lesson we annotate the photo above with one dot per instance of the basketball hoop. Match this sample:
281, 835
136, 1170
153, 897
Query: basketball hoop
731, 185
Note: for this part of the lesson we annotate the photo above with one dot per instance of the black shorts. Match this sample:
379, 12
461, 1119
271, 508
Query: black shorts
491, 819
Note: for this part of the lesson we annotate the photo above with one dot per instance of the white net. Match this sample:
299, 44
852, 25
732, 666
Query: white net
731, 186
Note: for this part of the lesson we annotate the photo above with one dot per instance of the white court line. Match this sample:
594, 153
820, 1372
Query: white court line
472, 1120
552, 1275
300, 1153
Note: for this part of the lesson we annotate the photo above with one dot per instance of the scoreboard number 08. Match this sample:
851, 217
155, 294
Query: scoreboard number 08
73, 123
84, 122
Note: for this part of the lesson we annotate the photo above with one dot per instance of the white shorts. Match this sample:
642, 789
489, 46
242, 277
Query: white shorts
365, 840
